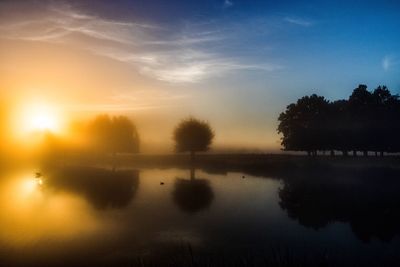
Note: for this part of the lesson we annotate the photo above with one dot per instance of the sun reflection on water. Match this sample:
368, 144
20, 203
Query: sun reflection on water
29, 212
28, 186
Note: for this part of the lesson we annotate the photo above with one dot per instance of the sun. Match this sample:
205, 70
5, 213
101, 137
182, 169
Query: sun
43, 120
38, 117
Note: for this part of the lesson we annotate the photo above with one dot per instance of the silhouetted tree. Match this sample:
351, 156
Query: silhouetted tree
125, 135
339, 124
360, 108
303, 125
365, 122
385, 120
114, 134
193, 135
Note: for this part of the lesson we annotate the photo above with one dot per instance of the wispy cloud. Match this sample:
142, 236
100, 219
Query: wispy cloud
57, 22
113, 107
299, 21
228, 3
158, 52
124, 100
184, 66
388, 62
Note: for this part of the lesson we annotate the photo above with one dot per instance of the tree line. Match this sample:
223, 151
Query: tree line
118, 134
366, 121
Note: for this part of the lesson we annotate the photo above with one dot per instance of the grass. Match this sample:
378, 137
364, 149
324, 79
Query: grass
274, 257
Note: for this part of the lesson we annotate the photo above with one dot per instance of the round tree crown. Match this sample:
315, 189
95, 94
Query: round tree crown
193, 135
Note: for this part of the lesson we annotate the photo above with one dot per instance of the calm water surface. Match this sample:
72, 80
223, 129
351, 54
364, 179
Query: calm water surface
81, 214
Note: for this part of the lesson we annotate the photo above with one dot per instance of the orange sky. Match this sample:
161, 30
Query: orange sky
236, 66
80, 85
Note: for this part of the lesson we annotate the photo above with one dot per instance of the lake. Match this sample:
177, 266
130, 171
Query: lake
72, 216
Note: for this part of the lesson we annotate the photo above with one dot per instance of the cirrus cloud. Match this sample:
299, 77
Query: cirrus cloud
161, 53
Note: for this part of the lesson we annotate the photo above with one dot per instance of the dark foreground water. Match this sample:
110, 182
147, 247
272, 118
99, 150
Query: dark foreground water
75, 216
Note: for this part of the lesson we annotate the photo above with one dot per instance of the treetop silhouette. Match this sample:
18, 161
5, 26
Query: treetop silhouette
114, 134
193, 135
366, 121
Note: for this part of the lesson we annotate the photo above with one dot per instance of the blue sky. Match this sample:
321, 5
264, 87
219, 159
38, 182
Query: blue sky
234, 63
318, 41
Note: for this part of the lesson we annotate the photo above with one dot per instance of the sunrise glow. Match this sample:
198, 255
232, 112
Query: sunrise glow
207, 133
43, 121
37, 117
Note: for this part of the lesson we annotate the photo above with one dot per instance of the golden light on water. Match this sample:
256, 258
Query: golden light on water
39, 181
28, 186
30, 212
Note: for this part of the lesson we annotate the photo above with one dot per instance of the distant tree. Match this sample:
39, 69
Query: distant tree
367, 121
192, 135
361, 112
385, 120
339, 125
114, 134
100, 133
125, 135
393, 105
303, 125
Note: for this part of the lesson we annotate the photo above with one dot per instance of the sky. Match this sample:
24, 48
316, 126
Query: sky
236, 64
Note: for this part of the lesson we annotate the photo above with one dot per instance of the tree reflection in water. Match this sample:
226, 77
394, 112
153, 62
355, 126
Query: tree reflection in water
368, 200
192, 195
102, 188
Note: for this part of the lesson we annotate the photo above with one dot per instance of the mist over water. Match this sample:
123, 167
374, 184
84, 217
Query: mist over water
90, 215
199, 133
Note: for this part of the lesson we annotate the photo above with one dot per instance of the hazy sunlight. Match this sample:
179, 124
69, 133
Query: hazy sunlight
43, 121
37, 117
41, 117
207, 133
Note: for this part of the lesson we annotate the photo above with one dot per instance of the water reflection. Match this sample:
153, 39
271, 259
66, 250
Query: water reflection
192, 195
368, 200
101, 187
92, 211
28, 213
